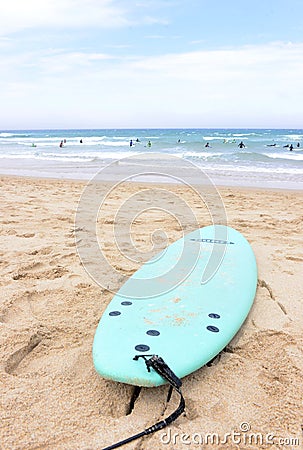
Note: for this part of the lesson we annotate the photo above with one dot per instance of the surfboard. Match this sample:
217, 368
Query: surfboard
185, 305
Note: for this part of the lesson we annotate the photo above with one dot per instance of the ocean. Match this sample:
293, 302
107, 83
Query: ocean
265, 160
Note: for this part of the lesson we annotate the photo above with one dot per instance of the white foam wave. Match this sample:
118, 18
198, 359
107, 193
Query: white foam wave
293, 137
244, 134
6, 135
294, 155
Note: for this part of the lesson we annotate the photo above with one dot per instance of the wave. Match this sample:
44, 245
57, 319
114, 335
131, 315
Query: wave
244, 134
295, 137
115, 147
52, 141
6, 135
294, 155
10, 135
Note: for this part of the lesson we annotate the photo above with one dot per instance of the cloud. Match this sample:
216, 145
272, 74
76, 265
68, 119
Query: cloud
71, 62
275, 63
17, 15
256, 83
5, 42
272, 58
198, 42
257, 76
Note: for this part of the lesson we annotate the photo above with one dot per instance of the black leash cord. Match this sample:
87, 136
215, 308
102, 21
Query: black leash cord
159, 365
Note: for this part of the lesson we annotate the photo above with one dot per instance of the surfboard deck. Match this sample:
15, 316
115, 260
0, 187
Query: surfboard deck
177, 315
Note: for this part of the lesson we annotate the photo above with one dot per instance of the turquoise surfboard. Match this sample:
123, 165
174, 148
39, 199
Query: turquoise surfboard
184, 305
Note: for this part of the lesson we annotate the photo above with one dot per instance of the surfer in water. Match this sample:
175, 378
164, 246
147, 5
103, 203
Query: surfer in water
241, 145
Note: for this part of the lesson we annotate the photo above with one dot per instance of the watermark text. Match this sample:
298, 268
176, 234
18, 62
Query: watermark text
241, 436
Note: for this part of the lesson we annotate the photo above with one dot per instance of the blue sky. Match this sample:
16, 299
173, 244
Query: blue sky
151, 63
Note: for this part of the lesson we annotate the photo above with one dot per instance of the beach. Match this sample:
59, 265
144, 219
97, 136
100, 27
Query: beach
51, 396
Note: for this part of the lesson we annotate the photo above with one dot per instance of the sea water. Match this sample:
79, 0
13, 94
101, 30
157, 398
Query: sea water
265, 160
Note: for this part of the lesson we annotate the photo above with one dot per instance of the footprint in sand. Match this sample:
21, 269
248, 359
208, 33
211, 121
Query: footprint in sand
30, 272
294, 258
26, 235
17, 357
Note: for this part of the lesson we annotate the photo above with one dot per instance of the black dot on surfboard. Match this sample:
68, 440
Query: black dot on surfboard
126, 303
214, 315
114, 313
153, 332
142, 348
212, 328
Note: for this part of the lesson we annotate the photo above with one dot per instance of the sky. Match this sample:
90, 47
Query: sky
151, 64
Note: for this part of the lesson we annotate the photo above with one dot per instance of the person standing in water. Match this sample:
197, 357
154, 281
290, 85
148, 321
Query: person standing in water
241, 145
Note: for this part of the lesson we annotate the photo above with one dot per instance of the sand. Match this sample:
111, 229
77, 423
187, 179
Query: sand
51, 396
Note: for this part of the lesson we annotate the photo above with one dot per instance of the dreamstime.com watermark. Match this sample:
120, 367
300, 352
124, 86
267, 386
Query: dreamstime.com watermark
97, 203
243, 436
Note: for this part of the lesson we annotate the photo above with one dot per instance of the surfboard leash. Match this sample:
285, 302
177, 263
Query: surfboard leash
160, 366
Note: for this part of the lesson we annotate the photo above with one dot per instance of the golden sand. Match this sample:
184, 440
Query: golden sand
51, 396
